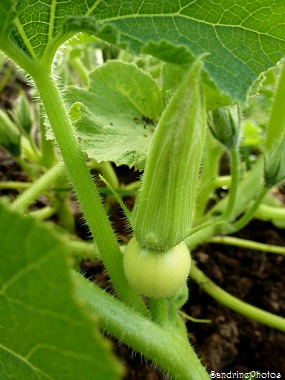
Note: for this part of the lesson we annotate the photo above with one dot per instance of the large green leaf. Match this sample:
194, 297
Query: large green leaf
44, 334
243, 37
116, 117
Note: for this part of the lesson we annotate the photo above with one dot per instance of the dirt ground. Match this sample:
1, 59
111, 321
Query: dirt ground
232, 342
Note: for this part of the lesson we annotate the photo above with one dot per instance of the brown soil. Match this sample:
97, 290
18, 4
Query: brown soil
233, 342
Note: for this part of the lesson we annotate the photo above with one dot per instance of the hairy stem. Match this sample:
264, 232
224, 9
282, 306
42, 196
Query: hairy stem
170, 351
158, 309
85, 189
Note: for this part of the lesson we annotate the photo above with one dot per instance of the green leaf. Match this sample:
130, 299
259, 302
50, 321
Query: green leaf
251, 134
44, 333
172, 76
116, 117
243, 38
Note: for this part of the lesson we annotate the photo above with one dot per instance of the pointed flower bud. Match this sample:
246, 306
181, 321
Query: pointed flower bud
9, 135
23, 116
274, 164
224, 123
163, 211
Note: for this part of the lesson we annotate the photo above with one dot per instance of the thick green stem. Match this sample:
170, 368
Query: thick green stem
85, 189
234, 303
37, 188
158, 310
168, 350
243, 243
234, 183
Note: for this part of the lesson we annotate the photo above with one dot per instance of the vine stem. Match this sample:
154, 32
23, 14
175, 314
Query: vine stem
158, 309
36, 188
234, 303
170, 351
243, 243
44, 213
78, 172
222, 181
14, 185
269, 212
248, 215
85, 189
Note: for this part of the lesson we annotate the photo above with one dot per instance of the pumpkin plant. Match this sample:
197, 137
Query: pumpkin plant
168, 105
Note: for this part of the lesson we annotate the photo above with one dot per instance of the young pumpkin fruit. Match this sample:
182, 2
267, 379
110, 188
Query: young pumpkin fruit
156, 274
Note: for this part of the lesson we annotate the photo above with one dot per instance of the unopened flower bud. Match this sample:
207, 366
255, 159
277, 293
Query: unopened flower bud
23, 116
9, 135
274, 164
162, 216
224, 124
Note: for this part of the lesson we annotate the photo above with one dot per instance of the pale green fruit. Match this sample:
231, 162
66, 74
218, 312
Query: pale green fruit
156, 274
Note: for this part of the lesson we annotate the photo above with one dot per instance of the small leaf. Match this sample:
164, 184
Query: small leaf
116, 118
44, 333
